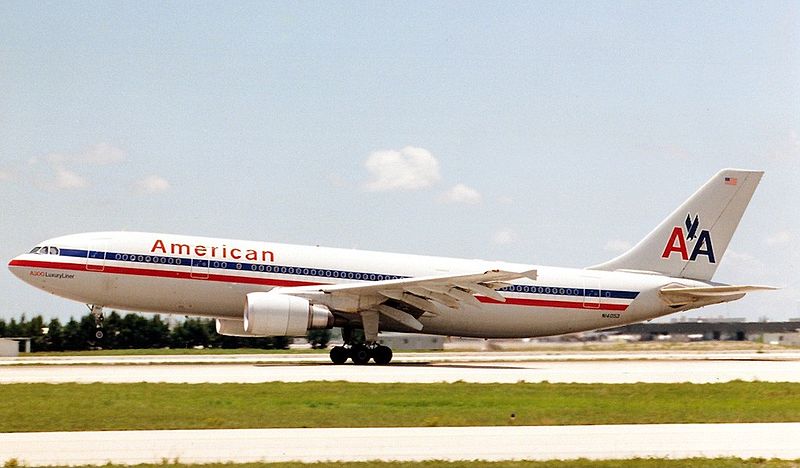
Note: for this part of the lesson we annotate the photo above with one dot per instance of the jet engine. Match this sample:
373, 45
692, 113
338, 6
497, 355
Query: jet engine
233, 327
274, 314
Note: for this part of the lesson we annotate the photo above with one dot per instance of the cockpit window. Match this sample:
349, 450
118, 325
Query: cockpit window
45, 250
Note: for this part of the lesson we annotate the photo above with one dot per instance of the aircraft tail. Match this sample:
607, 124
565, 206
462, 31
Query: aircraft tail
691, 241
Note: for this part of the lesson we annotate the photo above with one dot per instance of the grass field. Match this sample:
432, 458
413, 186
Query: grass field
633, 463
77, 407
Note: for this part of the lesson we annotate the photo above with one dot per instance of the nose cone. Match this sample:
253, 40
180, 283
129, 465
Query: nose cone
16, 266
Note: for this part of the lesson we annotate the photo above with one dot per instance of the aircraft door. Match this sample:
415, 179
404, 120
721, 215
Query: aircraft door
591, 292
199, 269
96, 255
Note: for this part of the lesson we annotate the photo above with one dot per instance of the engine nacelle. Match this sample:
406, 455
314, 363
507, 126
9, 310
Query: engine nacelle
274, 314
232, 327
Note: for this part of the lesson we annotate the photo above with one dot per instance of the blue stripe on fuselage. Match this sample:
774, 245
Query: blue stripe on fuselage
321, 272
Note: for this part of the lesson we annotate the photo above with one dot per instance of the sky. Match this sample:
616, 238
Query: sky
552, 133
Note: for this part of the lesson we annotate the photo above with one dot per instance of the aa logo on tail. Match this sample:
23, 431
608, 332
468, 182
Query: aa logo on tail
701, 242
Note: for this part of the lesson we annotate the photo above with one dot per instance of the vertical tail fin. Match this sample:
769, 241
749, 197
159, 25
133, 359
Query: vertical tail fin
691, 241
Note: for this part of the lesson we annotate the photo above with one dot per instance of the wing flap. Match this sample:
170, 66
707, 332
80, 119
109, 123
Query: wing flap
478, 288
403, 317
411, 299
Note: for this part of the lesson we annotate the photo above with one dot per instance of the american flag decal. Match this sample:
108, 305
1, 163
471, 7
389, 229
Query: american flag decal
731, 181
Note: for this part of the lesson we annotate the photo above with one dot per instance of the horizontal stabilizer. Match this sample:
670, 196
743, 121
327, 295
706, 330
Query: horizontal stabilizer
676, 295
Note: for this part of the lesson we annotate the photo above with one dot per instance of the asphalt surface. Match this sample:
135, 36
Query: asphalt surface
416, 357
361, 444
773, 440
414, 368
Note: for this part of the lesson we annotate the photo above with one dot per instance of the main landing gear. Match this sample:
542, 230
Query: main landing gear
360, 353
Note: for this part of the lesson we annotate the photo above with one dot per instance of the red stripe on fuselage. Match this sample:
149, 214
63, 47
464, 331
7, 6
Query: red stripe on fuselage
160, 273
283, 283
551, 303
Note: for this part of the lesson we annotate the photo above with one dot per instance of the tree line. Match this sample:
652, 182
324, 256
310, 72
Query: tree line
134, 331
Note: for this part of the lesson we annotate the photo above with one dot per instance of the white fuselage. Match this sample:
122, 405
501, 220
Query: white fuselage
209, 277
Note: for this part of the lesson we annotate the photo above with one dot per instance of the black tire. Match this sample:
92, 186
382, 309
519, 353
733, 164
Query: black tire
339, 354
382, 355
360, 355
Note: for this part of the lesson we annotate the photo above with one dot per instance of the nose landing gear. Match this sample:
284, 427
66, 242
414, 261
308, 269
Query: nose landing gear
97, 311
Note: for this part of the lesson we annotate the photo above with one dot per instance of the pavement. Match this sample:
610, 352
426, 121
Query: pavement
415, 357
653, 367
769, 440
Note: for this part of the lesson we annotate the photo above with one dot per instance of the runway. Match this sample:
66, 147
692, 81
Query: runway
416, 357
454, 443
417, 368
772, 440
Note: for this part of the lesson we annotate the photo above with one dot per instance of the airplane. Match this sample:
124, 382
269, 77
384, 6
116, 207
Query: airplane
256, 289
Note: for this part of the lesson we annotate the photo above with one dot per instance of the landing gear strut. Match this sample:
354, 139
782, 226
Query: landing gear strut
97, 311
360, 354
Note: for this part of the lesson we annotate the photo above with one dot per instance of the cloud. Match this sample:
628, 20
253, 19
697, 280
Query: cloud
461, 193
676, 152
67, 180
505, 200
504, 237
151, 184
617, 246
779, 238
410, 168
101, 154
5, 176
744, 263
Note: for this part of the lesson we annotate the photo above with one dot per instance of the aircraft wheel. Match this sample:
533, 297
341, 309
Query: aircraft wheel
382, 355
360, 354
339, 354
98, 334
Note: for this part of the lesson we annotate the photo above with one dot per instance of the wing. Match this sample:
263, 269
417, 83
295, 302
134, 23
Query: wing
678, 296
397, 298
